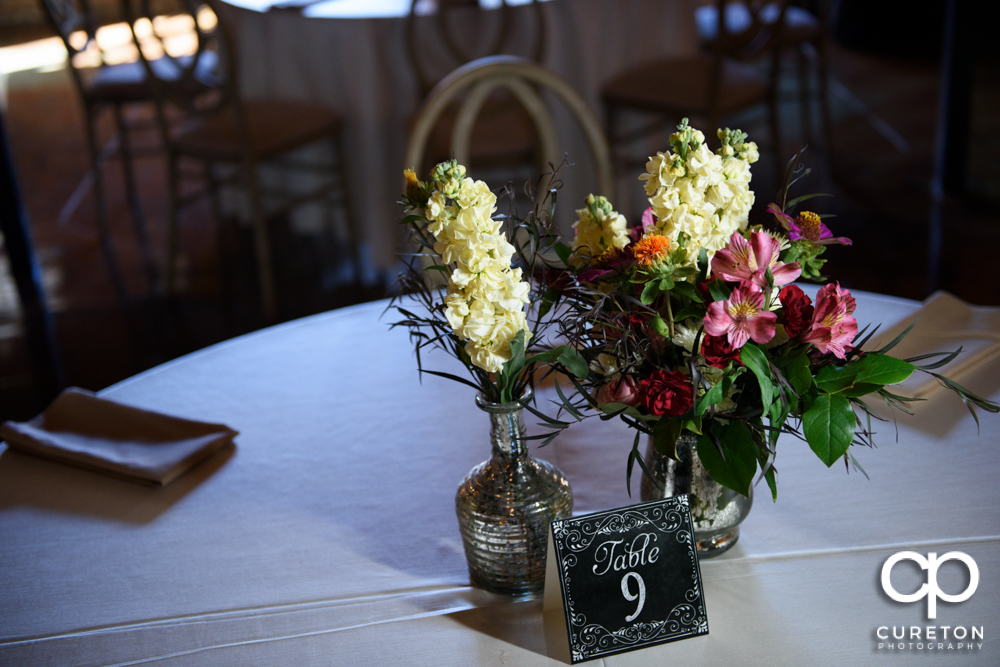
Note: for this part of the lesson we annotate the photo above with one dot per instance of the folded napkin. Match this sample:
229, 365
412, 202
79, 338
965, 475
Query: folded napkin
946, 323
119, 440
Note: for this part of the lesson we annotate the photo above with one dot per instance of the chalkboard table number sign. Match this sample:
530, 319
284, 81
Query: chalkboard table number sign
626, 578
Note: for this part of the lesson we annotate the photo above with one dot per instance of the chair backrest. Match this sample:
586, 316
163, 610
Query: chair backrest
198, 83
447, 29
523, 79
74, 21
743, 29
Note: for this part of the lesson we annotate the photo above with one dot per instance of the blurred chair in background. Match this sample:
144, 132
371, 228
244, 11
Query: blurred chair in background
803, 34
704, 87
231, 138
443, 35
524, 80
114, 87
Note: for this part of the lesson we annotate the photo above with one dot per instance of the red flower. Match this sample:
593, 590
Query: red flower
798, 310
637, 319
718, 352
666, 394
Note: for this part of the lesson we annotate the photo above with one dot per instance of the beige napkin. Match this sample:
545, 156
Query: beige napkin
946, 323
119, 440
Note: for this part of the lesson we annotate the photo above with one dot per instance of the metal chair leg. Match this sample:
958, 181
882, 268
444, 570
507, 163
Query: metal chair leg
805, 100
225, 279
262, 245
353, 236
773, 104
103, 225
132, 192
824, 96
173, 223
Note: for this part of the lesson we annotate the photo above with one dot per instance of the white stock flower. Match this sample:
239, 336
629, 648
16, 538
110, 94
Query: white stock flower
485, 297
598, 227
706, 195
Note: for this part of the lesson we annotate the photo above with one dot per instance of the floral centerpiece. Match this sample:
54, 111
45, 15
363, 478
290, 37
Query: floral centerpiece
465, 292
698, 336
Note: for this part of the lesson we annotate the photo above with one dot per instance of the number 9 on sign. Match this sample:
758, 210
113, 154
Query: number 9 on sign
629, 595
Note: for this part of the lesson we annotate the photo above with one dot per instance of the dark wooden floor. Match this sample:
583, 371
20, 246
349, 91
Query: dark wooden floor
879, 170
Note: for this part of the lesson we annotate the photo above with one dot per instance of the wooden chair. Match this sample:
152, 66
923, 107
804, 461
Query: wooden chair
437, 37
113, 87
222, 130
524, 80
803, 34
444, 28
707, 87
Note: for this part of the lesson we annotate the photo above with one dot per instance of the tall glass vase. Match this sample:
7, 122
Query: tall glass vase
505, 504
717, 512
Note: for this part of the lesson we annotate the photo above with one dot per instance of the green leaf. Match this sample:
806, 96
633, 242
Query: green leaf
736, 465
693, 425
569, 357
632, 457
861, 389
649, 293
755, 359
665, 434
688, 290
703, 261
573, 361
832, 379
659, 326
512, 368
772, 484
872, 368
828, 426
777, 417
690, 310
711, 397
797, 372
882, 369
563, 252
718, 290
895, 341
795, 201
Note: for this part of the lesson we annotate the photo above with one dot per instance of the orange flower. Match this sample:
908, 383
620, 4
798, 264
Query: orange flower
651, 249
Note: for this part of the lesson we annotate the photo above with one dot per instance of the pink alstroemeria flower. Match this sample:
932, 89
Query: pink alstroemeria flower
807, 226
833, 326
748, 261
741, 318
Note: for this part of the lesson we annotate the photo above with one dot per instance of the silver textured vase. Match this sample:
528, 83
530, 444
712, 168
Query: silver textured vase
505, 504
717, 512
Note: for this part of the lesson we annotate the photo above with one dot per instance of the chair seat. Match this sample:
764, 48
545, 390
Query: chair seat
683, 84
274, 127
800, 25
118, 83
127, 82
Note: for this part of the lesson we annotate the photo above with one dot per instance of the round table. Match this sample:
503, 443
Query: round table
328, 534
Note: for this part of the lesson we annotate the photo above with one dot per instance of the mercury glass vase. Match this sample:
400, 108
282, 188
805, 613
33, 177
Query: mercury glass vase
505, 504
716, 511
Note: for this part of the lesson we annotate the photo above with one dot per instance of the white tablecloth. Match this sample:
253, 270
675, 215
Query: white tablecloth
328, 535
360, 66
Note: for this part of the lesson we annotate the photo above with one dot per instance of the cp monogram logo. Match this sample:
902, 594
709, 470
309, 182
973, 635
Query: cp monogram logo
930, 590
